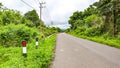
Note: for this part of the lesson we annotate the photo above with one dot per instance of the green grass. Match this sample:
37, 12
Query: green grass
110, 42
36, 58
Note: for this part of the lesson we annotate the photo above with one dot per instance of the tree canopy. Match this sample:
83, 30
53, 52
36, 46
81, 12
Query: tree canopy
104, 14
33, 16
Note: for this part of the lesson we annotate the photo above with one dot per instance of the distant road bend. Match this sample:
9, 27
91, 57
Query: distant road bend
72, 52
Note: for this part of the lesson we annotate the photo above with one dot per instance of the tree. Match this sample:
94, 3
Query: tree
10, 16
76, 16
93, 21
77, 19
89, 11
33, 16
109, 9
1, 5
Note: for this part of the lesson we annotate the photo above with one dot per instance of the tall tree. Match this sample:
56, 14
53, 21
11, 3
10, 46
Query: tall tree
109, 9
33, 16
77, 19
76, 16
1, 5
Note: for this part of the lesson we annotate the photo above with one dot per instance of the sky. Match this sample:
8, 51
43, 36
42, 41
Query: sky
55, 11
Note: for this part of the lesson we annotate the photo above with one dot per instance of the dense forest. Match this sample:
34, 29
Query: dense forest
99, 22
14, 28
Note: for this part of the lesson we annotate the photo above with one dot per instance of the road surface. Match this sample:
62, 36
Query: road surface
72, 52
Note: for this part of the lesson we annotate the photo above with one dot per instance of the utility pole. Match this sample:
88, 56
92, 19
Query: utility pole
41, 6
52, 23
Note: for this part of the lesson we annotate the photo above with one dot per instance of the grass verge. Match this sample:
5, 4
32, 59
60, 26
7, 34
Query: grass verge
110, 42
36, 58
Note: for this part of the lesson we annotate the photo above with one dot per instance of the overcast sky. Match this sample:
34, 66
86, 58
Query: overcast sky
57, 11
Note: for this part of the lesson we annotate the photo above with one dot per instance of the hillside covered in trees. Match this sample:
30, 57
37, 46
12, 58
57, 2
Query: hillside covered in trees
13, 25
99, 22
14, 28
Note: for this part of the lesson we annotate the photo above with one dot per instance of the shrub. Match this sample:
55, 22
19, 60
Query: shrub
12, 35
36, 58
93, 31
118, 36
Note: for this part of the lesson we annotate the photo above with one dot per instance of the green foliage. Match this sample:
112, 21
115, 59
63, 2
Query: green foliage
33, 16
14, 34
105, 39
104, 14
76, 16
99, 22
13, 17
91, 32
36, 58
110, 9
1, 6
13, 29
27, 22
89, 11
119, 36
50, 30
10, 16
93, 21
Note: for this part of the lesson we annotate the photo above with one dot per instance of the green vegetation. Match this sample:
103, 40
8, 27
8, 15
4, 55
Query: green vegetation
32, 16
36, 58
99, 22
114, 42
14, 34
14, 28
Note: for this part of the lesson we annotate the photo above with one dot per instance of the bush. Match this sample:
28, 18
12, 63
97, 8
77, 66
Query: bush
93, 31
12, 35
36, 58
118, 36
79, 30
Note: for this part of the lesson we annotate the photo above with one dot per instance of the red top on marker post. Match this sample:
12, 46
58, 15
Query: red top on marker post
24, 43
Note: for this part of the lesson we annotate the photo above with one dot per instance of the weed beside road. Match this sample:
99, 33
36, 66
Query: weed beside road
36, 58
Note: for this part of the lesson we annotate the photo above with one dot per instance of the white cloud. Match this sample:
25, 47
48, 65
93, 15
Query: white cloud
61, 26
58, 11
61, 10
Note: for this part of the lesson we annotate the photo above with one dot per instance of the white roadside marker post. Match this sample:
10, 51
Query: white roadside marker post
37, 43
24, 48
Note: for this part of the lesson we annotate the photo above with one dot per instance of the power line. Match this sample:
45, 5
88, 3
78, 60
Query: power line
28, 4
34, 3
38, 1
40, 7
46, 11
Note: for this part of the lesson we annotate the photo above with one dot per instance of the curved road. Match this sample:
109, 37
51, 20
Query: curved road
72, 52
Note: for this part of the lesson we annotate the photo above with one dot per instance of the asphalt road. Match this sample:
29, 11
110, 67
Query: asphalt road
72, 52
